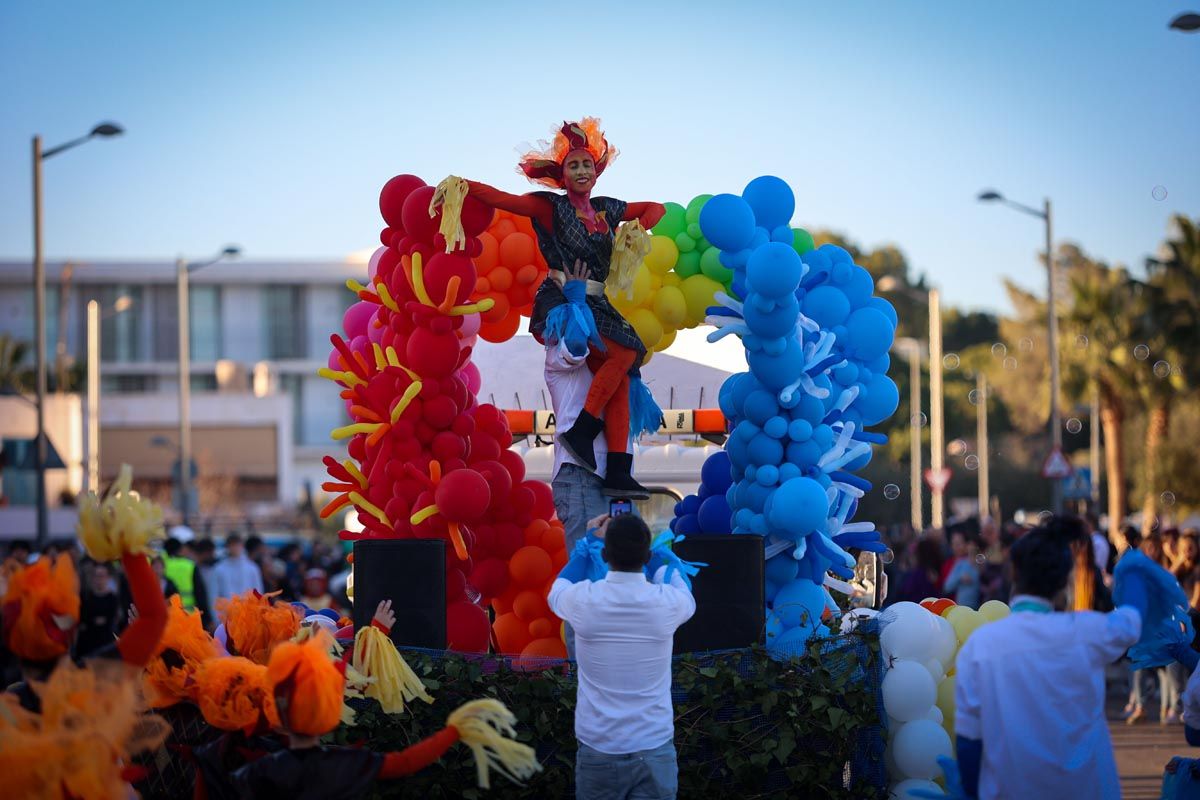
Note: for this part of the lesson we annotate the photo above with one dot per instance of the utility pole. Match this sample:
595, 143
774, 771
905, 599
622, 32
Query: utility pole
937, 431
981, 436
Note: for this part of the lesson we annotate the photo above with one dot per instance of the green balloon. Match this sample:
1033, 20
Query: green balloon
688, 264
685, 243
710, 265
673, 223
693, 209
802, 241
693, 230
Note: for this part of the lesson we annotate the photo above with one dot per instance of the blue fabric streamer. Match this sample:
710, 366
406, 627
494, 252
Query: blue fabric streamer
574, 325
587, 561
661, 554
644, 414
1143, 584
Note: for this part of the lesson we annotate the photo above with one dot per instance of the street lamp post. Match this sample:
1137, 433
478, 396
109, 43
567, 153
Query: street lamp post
1051, 325
92, 442
913, 348
41, 452
183, 270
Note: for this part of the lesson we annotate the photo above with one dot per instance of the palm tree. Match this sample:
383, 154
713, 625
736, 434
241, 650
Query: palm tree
12, 368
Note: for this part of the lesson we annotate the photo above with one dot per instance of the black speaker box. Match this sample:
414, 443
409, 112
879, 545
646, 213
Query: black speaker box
729, 592
412, 574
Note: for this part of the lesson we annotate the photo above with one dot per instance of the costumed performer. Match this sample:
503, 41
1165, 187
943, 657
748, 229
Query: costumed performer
1029, 691
306, 690
576, 230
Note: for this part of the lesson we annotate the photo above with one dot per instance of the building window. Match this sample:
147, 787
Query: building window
121, 335
283, 316
165, 322
293, 387
205, 305
127, 384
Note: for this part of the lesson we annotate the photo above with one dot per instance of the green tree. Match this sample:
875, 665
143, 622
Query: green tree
14, 372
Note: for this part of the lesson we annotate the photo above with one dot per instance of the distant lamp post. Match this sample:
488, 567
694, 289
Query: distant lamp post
989, 196
183, 269
40, 449
121, 305
1186, 23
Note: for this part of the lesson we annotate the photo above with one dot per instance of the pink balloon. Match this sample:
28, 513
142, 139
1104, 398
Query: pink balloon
361, 344
375, 332
334, 363
471, 377
467, 342
470, 325
355, 320
373, 264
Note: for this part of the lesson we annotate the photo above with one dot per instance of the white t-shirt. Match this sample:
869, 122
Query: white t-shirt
1031, 687
569, 379
624, 634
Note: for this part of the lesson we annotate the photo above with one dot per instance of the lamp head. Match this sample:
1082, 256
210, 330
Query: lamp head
107, 129
232, 251
988, 195
1188, 23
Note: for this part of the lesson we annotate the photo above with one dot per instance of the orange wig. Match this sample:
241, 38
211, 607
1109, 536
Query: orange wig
306, 687
41, 609
253, 624
232, 694
544, 166
170, 677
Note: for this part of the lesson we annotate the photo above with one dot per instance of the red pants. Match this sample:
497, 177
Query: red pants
609, 395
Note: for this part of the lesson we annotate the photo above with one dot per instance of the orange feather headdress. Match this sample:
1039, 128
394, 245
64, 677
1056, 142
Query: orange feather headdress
41, 609
545, 165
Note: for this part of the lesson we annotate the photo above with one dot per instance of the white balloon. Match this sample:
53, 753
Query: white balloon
910, 632
936, 715
917, 747
945, 643
908, 690
905, 790
856, 617
935, 669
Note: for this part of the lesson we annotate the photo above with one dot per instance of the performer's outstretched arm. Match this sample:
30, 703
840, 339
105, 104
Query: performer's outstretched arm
137, 643
647, 213
413, 759
527, 205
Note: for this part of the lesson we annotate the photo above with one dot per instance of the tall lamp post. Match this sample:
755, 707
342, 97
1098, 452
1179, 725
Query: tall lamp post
990, 196
183, 270
40, 449
92, 440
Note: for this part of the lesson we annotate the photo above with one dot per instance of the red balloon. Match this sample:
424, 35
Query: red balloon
476, 216
543, 499
441, 268
490, 577
393, 195
497, 477
432, 355
463, 496
512, 461
416, 220
447, 446
509, 538
467, 628
501, 331
522, 498
440, 412
456, 585
484, 448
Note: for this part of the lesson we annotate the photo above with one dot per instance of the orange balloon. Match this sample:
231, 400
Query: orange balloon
517, 249
499, 310
545, 648
490, 256
482, 287
502, 228
530, 605
502, 605
512, 635
528, 275
552, 541
501, 279
530, 566
542, 628
500, 331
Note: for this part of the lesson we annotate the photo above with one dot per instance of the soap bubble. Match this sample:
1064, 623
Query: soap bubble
973, 397
999, 350
1074, 425
1167, 498
1044, 517
887, 556
891, 491
1010, 363
980, 559
956, 447
1026, 345
971, 462
919, 419
951, 361
1162, 369
1141, 352
1081, 342
1159, 193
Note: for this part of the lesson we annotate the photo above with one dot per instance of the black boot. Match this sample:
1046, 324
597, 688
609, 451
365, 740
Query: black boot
579, 440
618, 482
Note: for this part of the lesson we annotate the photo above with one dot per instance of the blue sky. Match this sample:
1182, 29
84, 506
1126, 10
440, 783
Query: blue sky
273, 125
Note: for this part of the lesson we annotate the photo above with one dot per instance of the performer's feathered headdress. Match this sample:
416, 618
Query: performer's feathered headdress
170, 677
306, 686
232, 693
545, 166
253, 624
41, 609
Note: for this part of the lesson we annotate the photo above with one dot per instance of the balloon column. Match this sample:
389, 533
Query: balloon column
817, 346
920, 644
707, 511
426, 459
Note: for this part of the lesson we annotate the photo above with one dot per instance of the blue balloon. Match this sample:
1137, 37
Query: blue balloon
772, 201
703, 492
847, 374
782, 569
753, 496
735, 259
792, 643
827, 305
798, 508
727, 221
810, 409
714, 515
715, 472
689, 505
772, 324
817, 260
776, 427
687, 525
777, 371
823, 436
880, 400
738, 284
787, 471
889, 310
859, 287
837, 255
783, 234
800, 430
760, 406
761, 237
774, 270
330, 614
800, 604
765, 450
766, 475
870, 334
804, 454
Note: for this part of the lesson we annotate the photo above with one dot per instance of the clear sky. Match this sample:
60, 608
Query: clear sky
273, 124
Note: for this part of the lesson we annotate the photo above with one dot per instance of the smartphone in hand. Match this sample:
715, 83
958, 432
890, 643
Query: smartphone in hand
619, 506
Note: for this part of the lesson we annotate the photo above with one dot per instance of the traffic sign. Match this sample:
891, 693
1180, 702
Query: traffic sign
937, 481
1079, 485
1056, 465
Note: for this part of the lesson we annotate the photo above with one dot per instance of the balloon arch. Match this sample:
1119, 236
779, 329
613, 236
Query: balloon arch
428, 461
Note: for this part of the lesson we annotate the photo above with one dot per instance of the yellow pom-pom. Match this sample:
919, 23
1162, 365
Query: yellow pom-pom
121, 523
486, 726
394, 683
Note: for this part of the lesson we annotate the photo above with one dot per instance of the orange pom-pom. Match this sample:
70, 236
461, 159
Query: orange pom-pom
253, 624
307, 687
170, 677
232, 693
41, 609
530, 566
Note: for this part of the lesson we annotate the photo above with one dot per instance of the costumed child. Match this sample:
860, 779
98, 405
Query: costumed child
1029, 691
67, 731
578, 231
306, 690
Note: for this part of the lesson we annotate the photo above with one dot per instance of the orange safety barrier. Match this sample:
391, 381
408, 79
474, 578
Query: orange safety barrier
675, 421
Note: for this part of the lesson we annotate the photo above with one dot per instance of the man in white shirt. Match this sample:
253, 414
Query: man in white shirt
624, 628
236, 573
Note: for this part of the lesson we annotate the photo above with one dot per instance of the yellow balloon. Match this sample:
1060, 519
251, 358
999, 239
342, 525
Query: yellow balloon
655, 284
672, 279
669, 306
663, 254
964, 621
641, 286
668, 338
648, 328
945, 703
993, 610
698, 291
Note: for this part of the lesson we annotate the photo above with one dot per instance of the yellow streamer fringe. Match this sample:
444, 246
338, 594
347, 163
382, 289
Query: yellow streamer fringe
123, 522
631, 245
394, 683
451, 193
486, 726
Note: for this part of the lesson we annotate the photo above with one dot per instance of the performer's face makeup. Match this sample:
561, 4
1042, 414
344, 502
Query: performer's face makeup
579, 172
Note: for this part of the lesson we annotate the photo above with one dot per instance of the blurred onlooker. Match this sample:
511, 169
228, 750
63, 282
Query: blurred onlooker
236, 573
1171, 546
169, 588
1187, 565
316, 590
180, 567
1087, 590
18, 552
293, 571
922, 580
963, 579
256, 550
206, 563
1100, 545
99, 610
